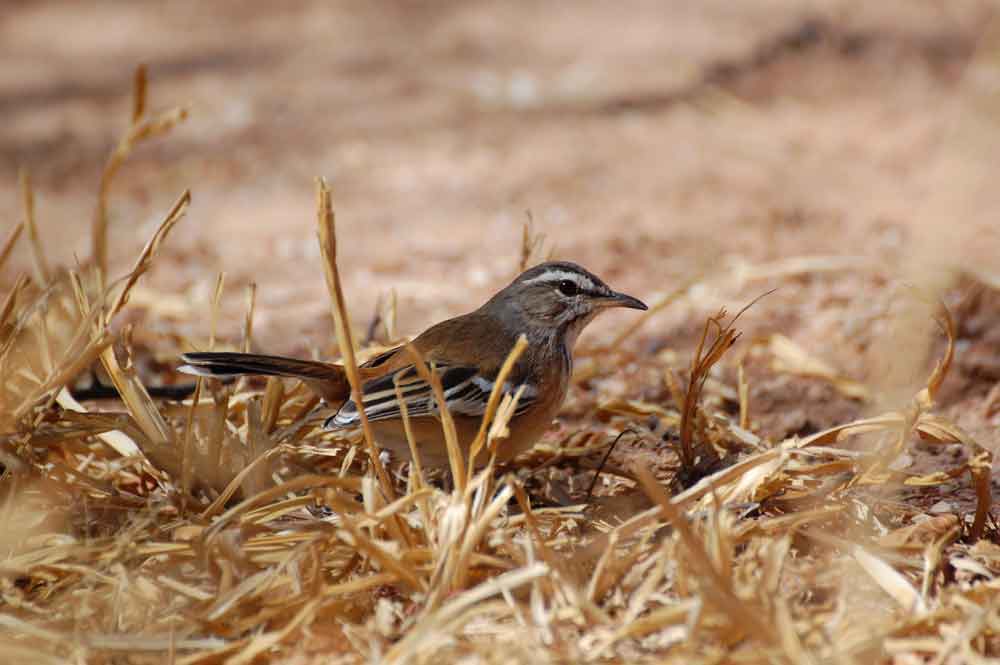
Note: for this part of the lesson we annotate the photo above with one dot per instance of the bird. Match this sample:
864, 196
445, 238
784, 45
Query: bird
550, 304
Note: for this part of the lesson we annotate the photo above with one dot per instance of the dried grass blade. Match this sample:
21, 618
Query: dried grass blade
119, 441
259, 447
11, 301
701, 365
213, 315
149, 643
892, 420
418, 470
744, 395
494, 400
8, 245
499, 429
656, 620
455, 457
249, 586
187, 445
609, 553
398, 506
144, 261
326, 223
248, 321
980, 463
139, 87
890, 580
925, 398
140, 405
798, 265
43, 273
358, 585
274, 396
139, 131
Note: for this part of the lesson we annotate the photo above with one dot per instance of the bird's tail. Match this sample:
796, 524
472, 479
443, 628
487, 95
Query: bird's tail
328, 381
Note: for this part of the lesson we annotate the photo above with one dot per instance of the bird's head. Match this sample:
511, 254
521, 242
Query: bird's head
561, 297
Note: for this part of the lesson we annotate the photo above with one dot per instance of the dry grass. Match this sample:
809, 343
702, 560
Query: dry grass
230, 528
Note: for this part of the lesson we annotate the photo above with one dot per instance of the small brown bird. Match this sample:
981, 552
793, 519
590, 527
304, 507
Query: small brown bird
550, 304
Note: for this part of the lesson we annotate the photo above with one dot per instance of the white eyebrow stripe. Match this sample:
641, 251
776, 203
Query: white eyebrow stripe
582, 281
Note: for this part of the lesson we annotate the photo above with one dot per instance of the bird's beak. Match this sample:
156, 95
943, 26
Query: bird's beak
623, 300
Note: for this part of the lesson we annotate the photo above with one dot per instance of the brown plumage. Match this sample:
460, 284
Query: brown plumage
550, 304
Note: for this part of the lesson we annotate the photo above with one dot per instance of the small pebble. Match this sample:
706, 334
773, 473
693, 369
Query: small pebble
942, 507
901, 462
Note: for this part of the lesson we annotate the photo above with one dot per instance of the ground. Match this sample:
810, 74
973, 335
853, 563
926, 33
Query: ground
655, 144
840, 152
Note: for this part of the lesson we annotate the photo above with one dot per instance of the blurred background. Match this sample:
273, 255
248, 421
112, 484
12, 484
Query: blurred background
651, 141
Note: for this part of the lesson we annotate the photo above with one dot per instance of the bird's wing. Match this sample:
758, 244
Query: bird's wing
466, 392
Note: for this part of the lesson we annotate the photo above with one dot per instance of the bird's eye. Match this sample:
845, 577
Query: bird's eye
568, 287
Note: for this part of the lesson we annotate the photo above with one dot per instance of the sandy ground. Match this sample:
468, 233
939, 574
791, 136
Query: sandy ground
653, 142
